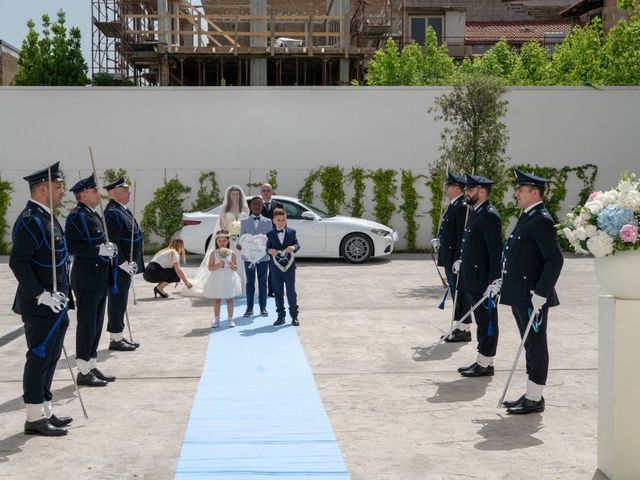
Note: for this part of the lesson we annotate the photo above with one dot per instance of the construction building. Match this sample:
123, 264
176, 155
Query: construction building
292, 42
9, 56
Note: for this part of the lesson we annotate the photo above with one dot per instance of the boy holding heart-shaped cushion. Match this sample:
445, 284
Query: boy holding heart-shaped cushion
282, 245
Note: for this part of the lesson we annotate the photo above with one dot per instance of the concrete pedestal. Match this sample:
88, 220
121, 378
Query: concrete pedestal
619, 388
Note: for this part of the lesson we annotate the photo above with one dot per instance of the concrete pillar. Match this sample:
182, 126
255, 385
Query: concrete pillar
164, 25
258, 75
345, 40
618, 388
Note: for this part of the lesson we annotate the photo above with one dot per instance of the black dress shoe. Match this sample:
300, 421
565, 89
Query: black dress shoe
513, 403
478, 371
135, 344
248, 313
102, 376
527, 406
90, 380
279, 321
121, 346
59, 421
462, 369
264, 312
458, 336
43, 427
295, 322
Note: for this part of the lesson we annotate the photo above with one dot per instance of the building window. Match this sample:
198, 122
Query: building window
419, 28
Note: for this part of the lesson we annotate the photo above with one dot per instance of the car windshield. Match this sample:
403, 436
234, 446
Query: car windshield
215, 209
317, 211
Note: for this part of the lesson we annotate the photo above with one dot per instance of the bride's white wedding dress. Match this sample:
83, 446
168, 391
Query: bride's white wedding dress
202, 275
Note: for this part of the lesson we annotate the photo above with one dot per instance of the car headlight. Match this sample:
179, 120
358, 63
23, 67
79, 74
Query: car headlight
381, 232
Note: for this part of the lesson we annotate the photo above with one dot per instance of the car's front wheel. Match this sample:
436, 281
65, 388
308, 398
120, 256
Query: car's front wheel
356, 248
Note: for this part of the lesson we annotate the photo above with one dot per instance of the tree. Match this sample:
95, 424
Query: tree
55, 58
474, 138
532, 66
578, 60
384, 66
499, 61
621, 49
163, 214
438, 67
415, 65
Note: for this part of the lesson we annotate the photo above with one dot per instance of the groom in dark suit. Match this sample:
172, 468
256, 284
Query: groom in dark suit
268, 207
281, 245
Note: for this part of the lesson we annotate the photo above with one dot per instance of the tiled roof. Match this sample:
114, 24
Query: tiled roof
512, 32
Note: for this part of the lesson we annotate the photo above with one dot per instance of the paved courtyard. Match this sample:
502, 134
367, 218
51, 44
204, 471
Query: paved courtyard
397, 413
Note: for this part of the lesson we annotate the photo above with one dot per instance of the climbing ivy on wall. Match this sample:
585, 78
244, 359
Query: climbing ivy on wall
384, 191
409, 207
5, 199
332, 195
357, 177
207, 195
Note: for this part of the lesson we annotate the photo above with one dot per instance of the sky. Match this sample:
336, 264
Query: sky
14, 15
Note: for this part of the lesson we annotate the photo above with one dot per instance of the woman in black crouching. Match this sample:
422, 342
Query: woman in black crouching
164, 268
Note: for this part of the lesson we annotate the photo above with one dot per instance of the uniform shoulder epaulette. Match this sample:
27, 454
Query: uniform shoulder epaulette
26, 213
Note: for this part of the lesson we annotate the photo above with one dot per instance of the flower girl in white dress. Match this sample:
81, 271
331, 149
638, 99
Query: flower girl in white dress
224, 282
233, 209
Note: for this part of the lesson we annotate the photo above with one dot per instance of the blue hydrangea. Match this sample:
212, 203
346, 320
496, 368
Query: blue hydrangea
613, 218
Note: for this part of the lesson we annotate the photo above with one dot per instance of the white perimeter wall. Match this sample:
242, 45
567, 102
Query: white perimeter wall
241, 133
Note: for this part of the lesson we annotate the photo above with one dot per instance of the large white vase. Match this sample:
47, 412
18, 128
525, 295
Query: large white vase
619, 274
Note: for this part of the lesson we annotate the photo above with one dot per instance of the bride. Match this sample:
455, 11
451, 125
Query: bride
234, 208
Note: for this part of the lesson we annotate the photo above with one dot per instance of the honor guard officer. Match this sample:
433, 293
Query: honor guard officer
532, 265
43, 310
448, 246
89, 278
120, 222
479, 269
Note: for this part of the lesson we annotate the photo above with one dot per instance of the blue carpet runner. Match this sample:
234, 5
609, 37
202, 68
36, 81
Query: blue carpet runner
257, 413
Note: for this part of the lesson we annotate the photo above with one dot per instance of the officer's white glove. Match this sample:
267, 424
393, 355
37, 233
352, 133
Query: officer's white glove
435, 244
56, 301
108, 249
537, 301
494, 288
128, 267
456, 266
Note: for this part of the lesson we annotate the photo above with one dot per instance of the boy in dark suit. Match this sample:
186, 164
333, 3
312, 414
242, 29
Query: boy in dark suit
282, 244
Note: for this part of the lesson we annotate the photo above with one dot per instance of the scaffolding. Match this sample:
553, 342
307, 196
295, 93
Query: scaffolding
176, 42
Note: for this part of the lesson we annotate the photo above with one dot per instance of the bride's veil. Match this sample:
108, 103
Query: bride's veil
228, 205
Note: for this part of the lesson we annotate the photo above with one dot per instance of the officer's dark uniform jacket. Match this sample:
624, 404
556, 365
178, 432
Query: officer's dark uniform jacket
532, 260
85, 234
481, 249
450, 233
30, 260
119, 222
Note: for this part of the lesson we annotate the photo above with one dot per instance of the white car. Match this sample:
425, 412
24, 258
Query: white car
320, 234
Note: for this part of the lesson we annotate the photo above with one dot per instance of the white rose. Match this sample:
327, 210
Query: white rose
590, 230
569, 234
608, 198
631, 200
577, 247
594, 207
625, 186
601, 244
581, 233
